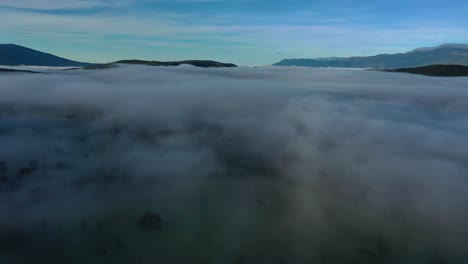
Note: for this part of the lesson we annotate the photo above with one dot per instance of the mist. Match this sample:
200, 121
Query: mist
242, 165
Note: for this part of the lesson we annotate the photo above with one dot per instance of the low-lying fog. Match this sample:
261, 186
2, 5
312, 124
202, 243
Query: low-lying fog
141, 164
35, 68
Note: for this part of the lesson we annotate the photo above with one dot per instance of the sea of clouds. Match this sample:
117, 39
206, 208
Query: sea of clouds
244, 165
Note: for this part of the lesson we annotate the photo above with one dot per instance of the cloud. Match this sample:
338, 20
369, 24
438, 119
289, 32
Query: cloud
246, 32
269, 165
82, 4
247, 41
52, 4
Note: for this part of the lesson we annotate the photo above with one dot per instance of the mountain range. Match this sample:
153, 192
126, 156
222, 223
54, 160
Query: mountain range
446, 54
15, 55
443, 54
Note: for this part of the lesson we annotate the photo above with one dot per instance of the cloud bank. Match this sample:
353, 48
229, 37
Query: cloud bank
266, 165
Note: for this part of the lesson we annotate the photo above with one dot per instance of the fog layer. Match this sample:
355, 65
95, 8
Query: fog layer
265, 165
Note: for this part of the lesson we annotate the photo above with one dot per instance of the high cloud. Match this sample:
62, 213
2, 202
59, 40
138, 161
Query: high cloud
52, 4
264, 165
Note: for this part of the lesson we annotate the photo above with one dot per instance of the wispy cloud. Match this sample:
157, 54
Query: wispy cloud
246, 37
53, 4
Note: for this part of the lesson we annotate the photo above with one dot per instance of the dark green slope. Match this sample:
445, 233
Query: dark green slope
197, 63
14, 55
436, 70
15, 71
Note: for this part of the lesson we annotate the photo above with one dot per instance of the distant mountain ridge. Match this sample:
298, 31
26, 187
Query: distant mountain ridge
443, 54
15, 55
447, 45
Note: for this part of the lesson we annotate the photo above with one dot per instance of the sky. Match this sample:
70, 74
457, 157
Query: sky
246, 32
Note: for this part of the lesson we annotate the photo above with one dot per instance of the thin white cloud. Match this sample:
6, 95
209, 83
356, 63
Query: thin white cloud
52, 4
79, 4
306, 39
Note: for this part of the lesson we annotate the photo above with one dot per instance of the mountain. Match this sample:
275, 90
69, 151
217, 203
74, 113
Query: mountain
14, 55
197, 63
443, 54
15, 71
436, 70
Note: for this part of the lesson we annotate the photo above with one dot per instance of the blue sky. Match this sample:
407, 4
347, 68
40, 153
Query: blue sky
246, 32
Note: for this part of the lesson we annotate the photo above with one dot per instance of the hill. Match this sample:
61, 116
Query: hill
443, 54
436, 70
14, 55
196, 63
15, 71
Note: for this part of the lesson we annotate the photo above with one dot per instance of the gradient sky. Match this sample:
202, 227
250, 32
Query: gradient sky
246, 32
